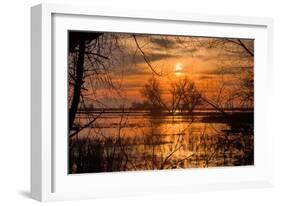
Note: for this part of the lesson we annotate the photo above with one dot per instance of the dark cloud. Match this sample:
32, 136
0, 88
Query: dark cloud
158, 56
171, 44
203, 77
163, 42
190, 50
203, 57
132, 70
154, 56
137, 71
228, 70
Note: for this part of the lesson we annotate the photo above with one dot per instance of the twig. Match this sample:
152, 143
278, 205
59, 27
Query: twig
87, 125
145, 57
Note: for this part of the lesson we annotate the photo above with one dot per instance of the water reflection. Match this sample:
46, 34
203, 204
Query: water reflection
146, 142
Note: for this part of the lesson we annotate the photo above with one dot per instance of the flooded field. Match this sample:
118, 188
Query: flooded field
141, 141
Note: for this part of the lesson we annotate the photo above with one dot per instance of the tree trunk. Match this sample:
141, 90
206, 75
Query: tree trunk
78, 84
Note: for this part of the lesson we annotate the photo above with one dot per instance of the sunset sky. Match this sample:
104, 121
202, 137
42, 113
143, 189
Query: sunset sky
215, 66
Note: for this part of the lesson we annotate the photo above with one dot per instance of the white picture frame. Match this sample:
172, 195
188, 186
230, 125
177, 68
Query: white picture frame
49, 179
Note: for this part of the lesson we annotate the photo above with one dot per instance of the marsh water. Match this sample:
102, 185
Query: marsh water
138, 140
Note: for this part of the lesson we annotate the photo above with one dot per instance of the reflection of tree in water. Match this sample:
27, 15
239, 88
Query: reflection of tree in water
156, 149
224, 149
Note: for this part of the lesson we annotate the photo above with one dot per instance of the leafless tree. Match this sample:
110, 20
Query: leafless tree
153, 93
239, 50
90, 61
191, 97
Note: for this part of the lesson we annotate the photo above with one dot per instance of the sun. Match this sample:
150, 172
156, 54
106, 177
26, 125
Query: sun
178, 69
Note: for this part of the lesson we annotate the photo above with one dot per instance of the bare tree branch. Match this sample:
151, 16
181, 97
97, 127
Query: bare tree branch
146, 58
87, 125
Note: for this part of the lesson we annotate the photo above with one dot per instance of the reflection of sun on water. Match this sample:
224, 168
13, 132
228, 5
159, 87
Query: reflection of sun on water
178, 69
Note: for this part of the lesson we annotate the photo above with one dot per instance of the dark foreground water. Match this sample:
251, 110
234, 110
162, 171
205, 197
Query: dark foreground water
141, 141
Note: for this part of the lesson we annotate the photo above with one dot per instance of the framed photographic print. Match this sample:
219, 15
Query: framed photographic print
137, 102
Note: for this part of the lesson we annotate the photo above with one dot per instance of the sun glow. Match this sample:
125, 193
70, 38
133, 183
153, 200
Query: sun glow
178, 69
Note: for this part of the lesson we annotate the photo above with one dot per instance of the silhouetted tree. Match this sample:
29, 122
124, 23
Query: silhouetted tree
191, 96
153, 93
78, 39
185, 96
